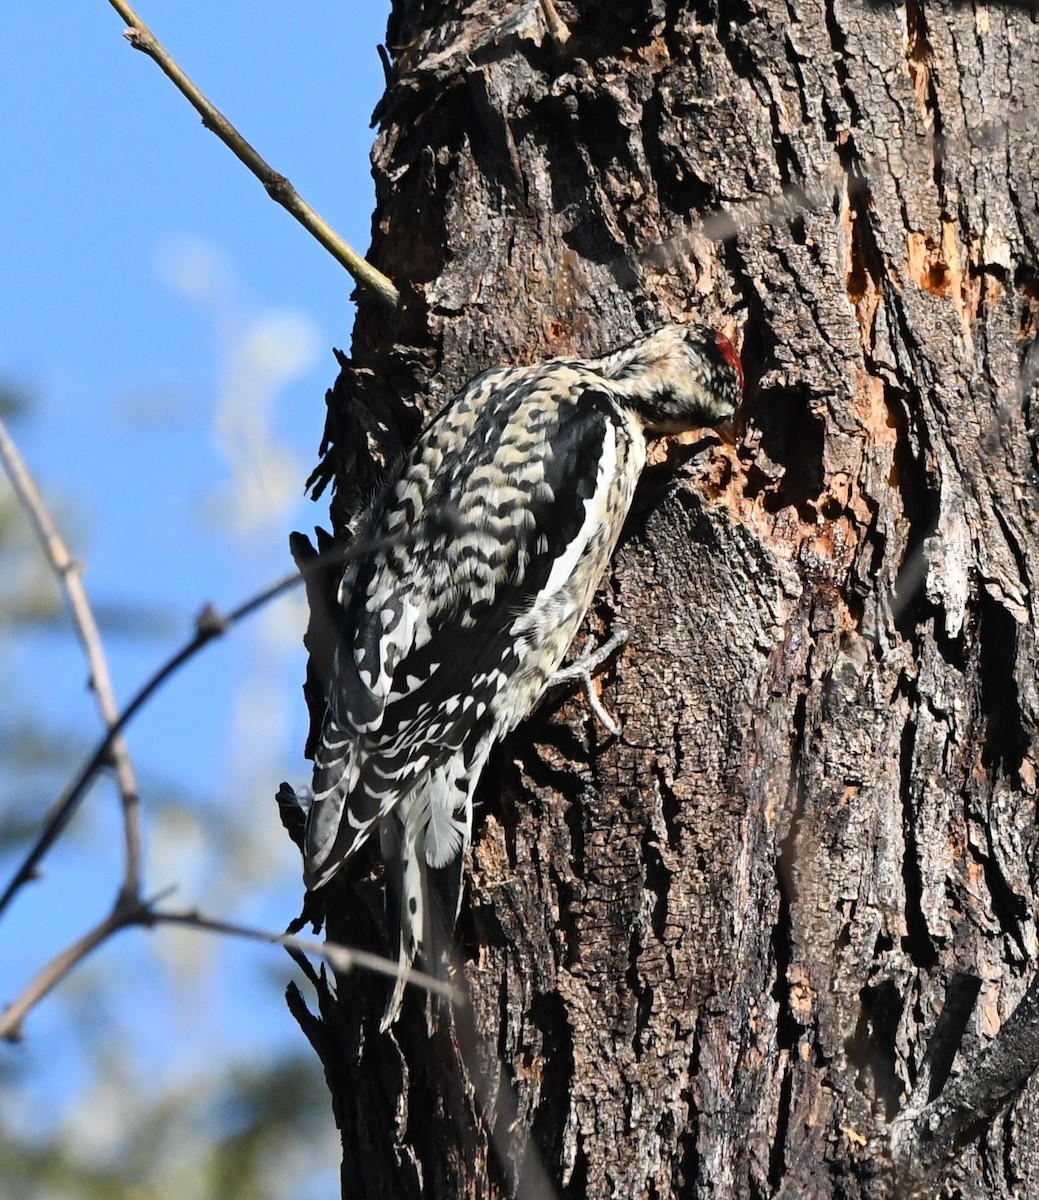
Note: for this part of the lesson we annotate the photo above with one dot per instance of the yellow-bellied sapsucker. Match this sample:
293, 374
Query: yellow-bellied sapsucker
489, 545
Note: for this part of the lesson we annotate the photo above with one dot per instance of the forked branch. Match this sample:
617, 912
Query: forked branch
209, 625
129, 908
69, 573
142, 913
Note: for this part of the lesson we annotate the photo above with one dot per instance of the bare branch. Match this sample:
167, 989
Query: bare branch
54, 972
209, 626
931, 1127
278, 187
130, 912
69, 573
341, 958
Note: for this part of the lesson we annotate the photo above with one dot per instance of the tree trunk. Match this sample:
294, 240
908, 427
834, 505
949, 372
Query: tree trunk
707, 958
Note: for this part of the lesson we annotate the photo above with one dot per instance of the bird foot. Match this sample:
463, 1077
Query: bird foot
582, 669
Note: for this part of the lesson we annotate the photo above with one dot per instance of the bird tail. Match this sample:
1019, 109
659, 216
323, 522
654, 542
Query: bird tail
403, 852
425, 891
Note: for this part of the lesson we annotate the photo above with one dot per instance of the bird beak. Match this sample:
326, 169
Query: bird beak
727, 431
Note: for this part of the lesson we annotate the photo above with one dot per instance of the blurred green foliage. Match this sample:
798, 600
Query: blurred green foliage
261, 1122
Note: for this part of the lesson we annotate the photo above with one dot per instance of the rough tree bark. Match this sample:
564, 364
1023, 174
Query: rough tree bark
707, 959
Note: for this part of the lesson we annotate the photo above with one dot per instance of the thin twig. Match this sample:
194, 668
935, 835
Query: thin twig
341, 958
69, 573
209, 626
130, 913
54, 972
278, 187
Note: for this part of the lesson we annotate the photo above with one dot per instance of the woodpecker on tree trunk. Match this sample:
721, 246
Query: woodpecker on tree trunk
489, 545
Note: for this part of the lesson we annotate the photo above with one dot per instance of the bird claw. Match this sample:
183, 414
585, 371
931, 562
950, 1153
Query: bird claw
582, 670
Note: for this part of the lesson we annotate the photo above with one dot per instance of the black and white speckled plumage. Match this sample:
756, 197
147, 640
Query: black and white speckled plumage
450, 637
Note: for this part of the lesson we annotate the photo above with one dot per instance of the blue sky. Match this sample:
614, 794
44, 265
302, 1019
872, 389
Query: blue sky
174, 327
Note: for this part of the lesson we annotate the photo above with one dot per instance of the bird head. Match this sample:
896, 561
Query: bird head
676, 378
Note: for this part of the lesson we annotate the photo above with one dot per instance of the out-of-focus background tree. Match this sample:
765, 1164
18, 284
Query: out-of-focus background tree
165, 343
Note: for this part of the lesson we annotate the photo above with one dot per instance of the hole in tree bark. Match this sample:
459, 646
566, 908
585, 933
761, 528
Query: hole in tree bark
548, 1013
917, 942
1005, 738
792, 438
871, 1049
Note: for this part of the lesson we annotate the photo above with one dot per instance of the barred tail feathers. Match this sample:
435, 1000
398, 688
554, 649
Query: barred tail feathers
403, 852
426, 840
